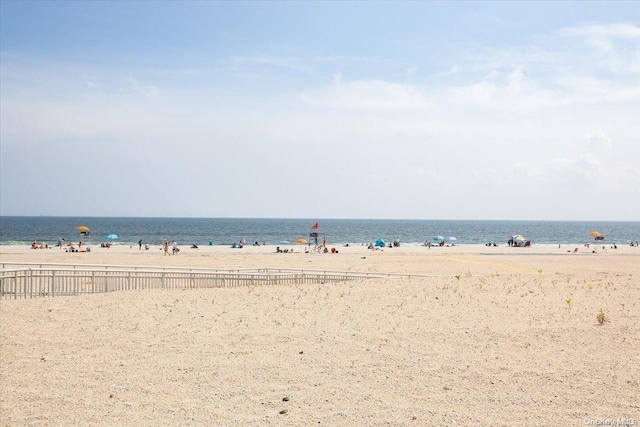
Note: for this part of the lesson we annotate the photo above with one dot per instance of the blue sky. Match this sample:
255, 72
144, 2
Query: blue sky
461, 110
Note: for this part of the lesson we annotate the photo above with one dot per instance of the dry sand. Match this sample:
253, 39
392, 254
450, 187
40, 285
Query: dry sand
472, 336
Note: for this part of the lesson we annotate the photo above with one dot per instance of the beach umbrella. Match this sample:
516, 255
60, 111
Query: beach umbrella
112, 236
301, 241
519, 238
379, 243
284, 242
438, 239
595, 233
82, 228
452, 239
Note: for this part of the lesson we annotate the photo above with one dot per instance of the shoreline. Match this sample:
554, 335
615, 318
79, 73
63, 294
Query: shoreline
301, 248
341, 244
452, 260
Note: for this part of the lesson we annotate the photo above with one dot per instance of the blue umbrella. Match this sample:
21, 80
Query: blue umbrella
438, 239
112, 236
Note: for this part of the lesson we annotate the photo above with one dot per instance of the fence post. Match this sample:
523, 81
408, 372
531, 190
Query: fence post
27, 283
53, 283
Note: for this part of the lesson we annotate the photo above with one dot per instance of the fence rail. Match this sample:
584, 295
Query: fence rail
21, 283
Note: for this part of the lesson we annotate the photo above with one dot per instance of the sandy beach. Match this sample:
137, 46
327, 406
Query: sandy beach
464, 335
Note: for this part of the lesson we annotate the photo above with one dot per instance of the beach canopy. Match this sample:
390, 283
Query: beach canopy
518, 238
112, 236
379, 242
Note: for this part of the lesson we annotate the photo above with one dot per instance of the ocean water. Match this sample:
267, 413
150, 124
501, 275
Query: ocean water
225, 231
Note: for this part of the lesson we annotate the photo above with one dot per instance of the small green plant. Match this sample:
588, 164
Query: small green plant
569, 302
602, 318
540, 272
457, 276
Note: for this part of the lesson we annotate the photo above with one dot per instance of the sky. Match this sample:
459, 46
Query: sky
382, 110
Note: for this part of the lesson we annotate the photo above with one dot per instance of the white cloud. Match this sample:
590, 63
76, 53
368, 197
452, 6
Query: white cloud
452, 71
512, 90
488, 176
603, 36
514, 174
149, 92
617, 46
352, 59
583, 169
411, 71
587, 89
429, 173
561, 172
599, 139
367, 95
295, 64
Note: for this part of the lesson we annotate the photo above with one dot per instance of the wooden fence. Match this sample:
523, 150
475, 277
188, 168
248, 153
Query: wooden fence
65, 280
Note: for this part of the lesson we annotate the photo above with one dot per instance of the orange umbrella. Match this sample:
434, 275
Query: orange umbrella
301, 241
82, 228
595, 233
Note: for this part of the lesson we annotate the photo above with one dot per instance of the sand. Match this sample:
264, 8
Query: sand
468, 336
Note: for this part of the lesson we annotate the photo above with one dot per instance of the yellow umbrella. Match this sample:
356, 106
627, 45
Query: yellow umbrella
595, 233
82, 228
301, 241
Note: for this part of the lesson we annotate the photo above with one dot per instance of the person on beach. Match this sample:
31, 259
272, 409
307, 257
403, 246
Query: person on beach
165, 246
140, 244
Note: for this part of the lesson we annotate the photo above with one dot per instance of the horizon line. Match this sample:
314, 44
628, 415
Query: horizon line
317, 218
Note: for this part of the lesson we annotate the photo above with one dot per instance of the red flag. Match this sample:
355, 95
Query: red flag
314, 226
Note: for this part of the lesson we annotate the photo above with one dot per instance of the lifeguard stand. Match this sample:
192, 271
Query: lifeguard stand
314, 235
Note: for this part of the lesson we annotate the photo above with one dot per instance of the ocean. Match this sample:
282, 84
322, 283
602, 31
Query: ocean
226, 231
